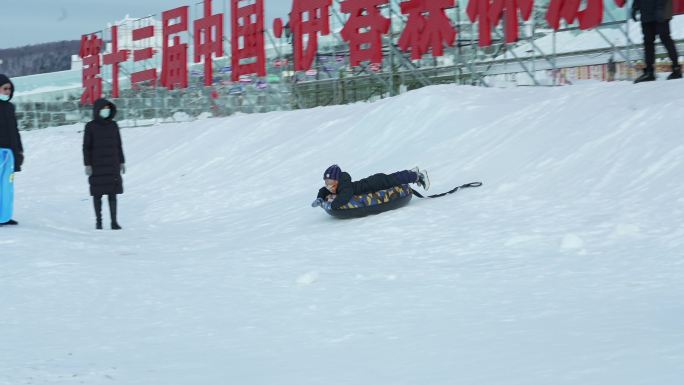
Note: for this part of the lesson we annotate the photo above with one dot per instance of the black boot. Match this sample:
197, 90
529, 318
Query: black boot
97, 202
112, 212
676, 72
648, 76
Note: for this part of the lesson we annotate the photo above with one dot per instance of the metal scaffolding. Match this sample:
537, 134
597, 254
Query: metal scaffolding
542, 56
535, 59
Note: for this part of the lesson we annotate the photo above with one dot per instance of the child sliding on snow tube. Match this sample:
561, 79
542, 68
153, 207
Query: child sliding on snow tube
339, 187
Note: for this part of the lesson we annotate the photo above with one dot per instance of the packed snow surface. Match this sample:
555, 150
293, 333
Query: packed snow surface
565, 268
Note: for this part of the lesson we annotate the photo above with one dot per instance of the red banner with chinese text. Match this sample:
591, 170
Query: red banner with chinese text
678, 7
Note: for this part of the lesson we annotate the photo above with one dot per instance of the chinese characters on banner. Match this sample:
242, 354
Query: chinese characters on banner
247, 39
208, 40
428, 30
570, 10
508, 9
365, 27
148, 75
308, 19
489, 13
427, 27
92, 81
478, 11
174, 56
113, 59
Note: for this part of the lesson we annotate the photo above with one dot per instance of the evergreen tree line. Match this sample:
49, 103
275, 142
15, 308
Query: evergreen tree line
38, 59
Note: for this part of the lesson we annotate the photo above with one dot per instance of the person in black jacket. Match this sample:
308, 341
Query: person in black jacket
104, 159
655, 20
339, 187
9, 130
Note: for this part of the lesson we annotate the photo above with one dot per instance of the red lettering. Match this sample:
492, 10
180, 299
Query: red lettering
114, 58
208, 40
308, 18
509, 9
365, 28
427, 27
92, 81
247, 39
148, 75
569, 10
174, 53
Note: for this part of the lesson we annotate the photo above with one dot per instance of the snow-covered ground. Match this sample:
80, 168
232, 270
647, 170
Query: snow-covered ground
565, 268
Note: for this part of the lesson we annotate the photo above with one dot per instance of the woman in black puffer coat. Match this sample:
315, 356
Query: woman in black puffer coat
104, 159
9, 131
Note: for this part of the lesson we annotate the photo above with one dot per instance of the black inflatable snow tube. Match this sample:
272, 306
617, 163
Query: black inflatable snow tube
374, 203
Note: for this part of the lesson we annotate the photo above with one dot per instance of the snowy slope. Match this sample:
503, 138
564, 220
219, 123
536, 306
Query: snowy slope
564, 268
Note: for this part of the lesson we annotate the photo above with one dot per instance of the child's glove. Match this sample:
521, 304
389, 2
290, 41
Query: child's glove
89, 170
326, 205
317, 202
122, 168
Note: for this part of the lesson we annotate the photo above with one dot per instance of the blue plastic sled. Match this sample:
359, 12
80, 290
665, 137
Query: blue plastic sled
6, 184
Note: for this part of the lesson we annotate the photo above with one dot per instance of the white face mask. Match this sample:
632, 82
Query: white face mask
104, 113
4, 98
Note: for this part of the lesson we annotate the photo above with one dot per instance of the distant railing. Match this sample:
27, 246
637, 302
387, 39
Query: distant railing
158, 105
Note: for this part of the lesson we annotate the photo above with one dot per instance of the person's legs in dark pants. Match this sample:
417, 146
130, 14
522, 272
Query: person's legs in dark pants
666, 39
405, 177
664, 34
649, 31
97, 203
413, 176
377, 182
112, 211
383, 181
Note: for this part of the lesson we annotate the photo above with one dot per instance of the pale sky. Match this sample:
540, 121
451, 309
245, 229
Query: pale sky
24, 22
